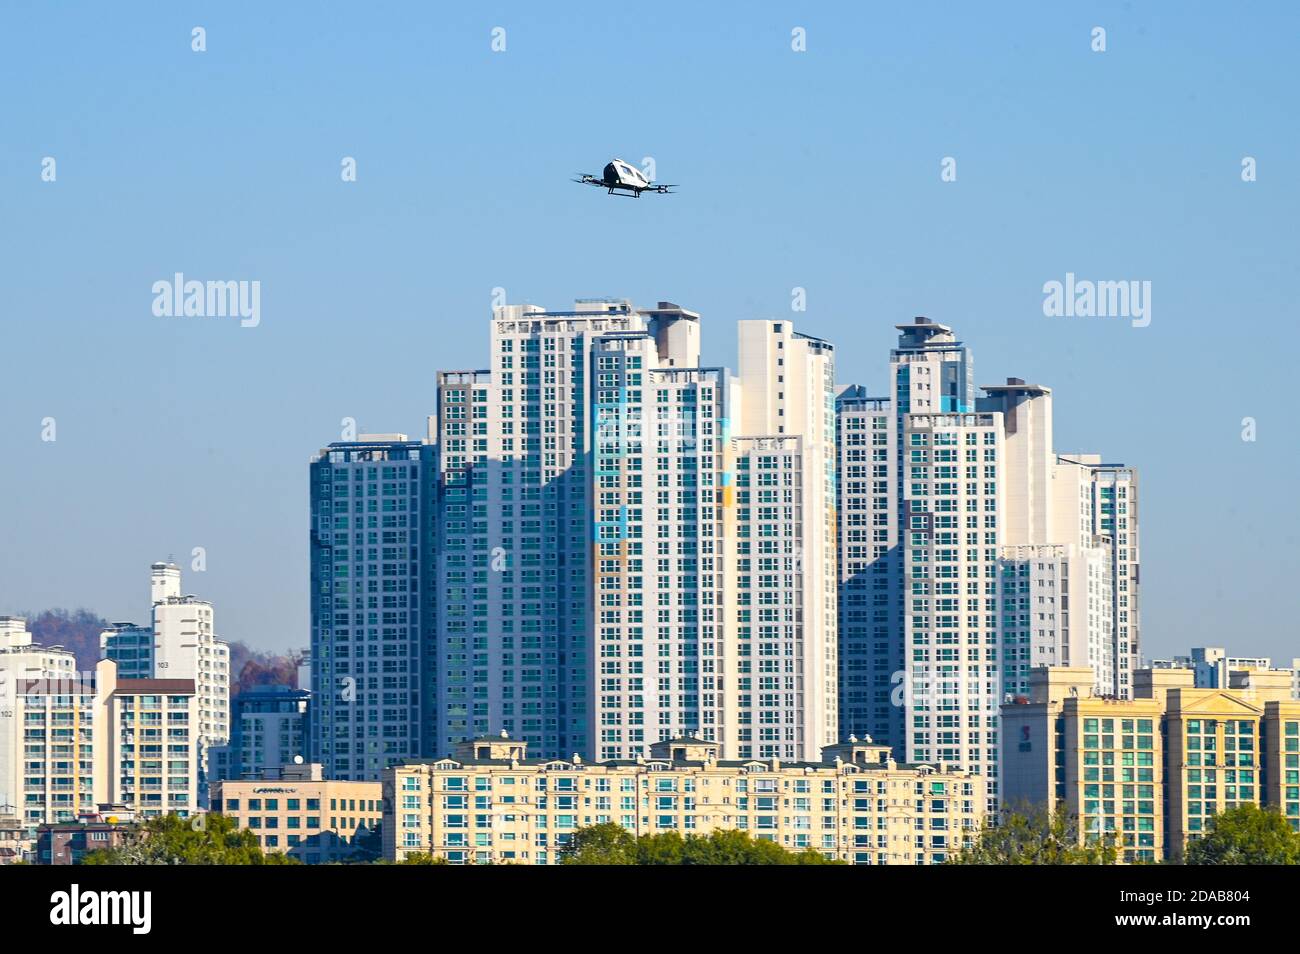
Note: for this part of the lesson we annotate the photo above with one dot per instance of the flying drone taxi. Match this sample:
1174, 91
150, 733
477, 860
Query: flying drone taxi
622, 178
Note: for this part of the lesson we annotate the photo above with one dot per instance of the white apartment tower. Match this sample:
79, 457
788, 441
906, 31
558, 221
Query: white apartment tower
951, 539
184, 645
25, 788
1108, 512
870, 568
1057, 586
971, 552
660, 425
781, 544
515, 551
619, 562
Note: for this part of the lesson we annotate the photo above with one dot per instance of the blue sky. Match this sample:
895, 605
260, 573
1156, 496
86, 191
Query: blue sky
818, 169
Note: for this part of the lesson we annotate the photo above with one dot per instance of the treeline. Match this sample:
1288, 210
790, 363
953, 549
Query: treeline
202, 840
611, 844
1247, 835
78, 631
1032, 835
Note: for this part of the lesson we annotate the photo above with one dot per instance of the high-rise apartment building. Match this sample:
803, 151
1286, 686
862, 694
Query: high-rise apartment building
870, 561
930, 372
1108, 498
659, 455
632, 546
781, 541
515, 570
372, 605
186, 647
970, 552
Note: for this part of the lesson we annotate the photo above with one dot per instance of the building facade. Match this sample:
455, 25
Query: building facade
88, 740
515, 581
488, 802
294, 810
373, 672
180, 643
659, 453
154, 743
17, 841
595, 592
130, 646
1151, 771
21, 662
66, 843
870, 594
970, 552
1213, 668
781, 538
186, 647
269, 728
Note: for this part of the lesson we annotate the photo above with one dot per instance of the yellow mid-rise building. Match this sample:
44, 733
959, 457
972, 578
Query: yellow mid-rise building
1151, 772
294, 810
488, 802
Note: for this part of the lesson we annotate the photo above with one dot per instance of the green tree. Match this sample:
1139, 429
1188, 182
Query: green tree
732, 847
1033, 835
423, 858
171, 840
603, 844
1246, 835
665, 848
610, 844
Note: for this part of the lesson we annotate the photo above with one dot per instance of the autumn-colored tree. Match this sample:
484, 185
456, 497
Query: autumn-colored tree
256, 668
78, 631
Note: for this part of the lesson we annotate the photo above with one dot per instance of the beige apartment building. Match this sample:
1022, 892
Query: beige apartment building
296, 811
151, 747
1098, 757
1152, 771
77, 741
489, 803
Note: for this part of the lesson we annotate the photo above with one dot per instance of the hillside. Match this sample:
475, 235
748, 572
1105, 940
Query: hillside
79, 630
